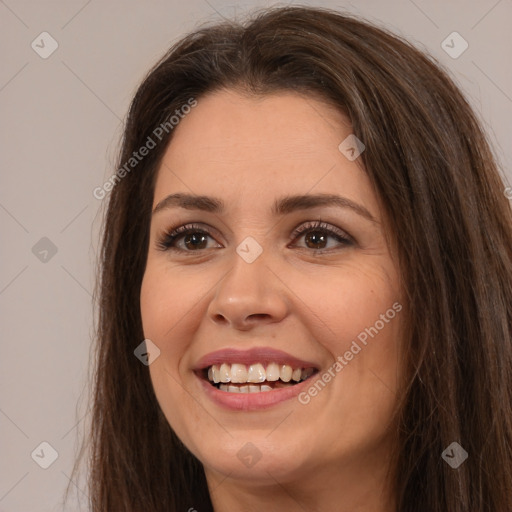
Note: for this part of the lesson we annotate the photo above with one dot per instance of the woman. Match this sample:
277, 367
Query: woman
309, 231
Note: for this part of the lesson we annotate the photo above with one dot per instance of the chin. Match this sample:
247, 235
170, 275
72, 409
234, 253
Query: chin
256, 459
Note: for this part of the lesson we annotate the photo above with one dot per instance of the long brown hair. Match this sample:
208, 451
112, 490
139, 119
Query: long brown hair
439, 183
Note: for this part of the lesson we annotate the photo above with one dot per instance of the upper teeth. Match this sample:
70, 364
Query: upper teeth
257, 373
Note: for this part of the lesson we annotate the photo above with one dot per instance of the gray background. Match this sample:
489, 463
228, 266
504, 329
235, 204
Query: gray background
60, 126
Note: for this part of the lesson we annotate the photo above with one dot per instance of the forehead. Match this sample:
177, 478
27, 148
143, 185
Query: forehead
231, 144
262, 126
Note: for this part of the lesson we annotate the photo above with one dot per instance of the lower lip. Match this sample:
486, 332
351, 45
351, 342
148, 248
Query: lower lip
252, 401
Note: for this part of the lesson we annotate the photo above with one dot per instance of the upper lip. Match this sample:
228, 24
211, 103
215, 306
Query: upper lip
264, 355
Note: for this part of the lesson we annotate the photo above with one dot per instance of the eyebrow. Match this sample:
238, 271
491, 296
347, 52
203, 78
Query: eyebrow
282, 206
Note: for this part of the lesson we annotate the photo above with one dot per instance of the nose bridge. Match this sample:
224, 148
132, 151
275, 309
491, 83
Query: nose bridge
249, 291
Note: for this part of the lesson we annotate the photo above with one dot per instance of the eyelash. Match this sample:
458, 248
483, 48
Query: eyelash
166, 242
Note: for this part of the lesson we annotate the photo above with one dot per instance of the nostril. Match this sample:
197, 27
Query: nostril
258, 316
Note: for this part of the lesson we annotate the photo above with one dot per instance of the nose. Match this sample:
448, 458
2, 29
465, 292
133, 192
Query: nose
248, 295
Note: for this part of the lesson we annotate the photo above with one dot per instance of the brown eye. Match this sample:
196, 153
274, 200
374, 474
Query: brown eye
317, 234
315, 238
193, 238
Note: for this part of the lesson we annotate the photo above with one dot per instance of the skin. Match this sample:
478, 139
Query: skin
332, 453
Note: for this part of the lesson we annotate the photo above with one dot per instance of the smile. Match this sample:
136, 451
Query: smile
255, 378
252, 379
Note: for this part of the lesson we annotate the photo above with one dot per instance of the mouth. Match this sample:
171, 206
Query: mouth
253, 379
256, 377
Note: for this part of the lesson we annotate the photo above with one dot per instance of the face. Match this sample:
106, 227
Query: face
279, 286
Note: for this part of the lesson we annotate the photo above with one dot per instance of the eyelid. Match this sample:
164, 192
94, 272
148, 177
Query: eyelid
321, 226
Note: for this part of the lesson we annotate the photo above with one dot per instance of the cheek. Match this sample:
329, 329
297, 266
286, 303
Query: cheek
164, 309
356, 315
167, 298
346, 300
